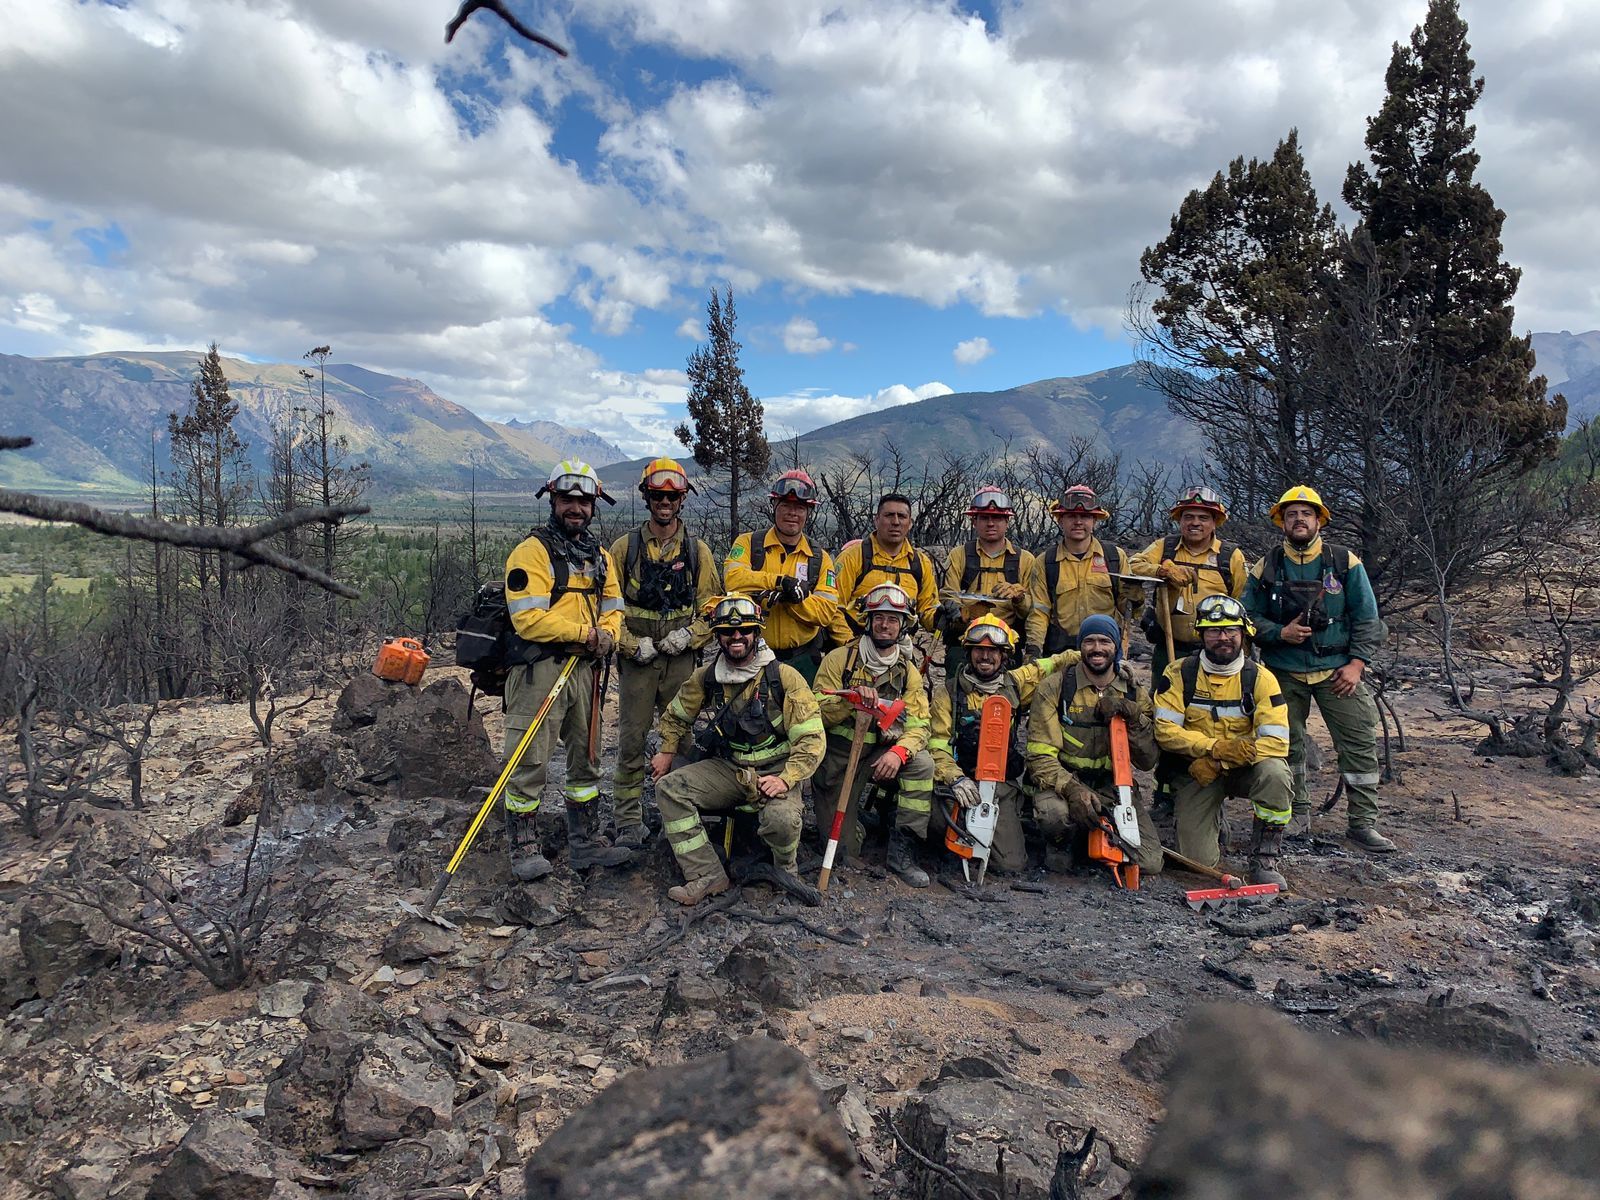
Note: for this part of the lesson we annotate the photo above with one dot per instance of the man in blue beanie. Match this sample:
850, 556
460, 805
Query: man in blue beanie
1069, 743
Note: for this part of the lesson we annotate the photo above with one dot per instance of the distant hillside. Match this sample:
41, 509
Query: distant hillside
1571, 362
92, 419
569, 442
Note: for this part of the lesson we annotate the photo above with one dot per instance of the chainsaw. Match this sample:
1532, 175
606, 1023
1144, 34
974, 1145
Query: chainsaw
969, 833
1112, 840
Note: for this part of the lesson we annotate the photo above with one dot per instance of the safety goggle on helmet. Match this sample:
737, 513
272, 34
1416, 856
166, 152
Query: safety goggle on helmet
573, 477
1222, 612
733, 613
1079, 498
1200, 497
794, 485
991, 501
989, 630
665, 475
888, 598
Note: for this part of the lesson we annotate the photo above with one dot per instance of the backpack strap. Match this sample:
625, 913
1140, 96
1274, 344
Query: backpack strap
561, 573
775, 696
630, 569
1225, 552
1169, 546
1052, 578
969, 564
758, 551
1248, 675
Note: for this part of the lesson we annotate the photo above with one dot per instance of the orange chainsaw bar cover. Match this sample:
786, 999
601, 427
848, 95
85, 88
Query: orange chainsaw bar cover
994, 740
1121, 762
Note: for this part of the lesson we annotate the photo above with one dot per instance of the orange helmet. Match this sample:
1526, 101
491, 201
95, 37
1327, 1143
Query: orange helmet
1079, 498
664, 475
795, 485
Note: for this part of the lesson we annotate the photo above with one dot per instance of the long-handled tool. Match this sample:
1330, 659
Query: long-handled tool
445, 876
1233, 888
1135, 578
863, 719
1164, 598
597, 704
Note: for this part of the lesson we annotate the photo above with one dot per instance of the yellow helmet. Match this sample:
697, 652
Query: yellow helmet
1300, 494
735, 611
664, 475
1222, 612
989, 630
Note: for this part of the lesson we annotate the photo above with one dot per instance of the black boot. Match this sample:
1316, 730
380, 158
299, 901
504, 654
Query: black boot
585, 848
903, 859
522, 843
1266, 843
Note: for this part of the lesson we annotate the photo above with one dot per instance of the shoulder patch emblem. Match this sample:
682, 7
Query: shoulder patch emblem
737, 551
830, 578
1331, 584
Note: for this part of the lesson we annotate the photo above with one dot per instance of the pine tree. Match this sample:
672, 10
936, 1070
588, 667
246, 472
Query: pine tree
210, 477
727, 432
1438, 231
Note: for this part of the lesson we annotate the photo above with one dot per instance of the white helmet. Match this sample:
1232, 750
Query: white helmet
574, 477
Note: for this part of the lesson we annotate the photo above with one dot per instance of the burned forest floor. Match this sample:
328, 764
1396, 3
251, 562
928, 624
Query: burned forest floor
369, 1053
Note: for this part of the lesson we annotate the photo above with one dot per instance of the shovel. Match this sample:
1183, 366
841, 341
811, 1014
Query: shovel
863, 719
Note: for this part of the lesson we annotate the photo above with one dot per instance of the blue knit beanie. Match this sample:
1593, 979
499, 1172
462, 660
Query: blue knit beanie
1098, 623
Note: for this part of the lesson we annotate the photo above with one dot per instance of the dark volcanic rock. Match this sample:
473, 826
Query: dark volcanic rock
771, 975
1482, 1030
746, 1123
395, 1090
59, 940
220, 1158
418, 941
337, 1008
304, 1091
1150, 1057
428, 740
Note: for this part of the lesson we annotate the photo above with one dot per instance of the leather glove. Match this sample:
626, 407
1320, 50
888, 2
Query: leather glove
1030, 654
676, 642
601, 641
948, 616
1083, 804
791, 590
644, 651
1205, 770
1008, 591
1119, 704
1234, 752
965, 792
1175, 573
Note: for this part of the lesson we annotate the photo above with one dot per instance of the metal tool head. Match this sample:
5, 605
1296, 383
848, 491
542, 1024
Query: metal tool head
1209, 898
1136, 578
411, 910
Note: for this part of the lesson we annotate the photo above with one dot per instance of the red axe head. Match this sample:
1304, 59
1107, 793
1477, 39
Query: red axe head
888, 714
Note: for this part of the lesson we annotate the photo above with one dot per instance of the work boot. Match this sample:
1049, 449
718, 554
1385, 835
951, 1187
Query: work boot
522, 844
1299, 825
584, 848
632, 837
1266, 843
903, 859
791, 864
692, 891
1368, 838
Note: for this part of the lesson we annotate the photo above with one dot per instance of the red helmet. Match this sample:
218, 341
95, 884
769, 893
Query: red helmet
990, 500
1079, 498
795, 485
1203, 498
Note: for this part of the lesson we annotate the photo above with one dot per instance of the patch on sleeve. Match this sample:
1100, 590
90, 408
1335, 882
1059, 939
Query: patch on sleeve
517, 580
830, 578
737, 551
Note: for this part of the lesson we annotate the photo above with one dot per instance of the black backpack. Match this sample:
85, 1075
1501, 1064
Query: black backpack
1189, 673
487, 644
914, 570
681, 593
758, 561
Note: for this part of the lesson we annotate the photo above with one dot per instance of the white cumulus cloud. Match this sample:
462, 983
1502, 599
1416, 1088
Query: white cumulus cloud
971, 351
801, 336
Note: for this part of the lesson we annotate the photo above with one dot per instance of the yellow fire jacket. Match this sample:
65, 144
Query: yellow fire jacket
540, 616
886, 568
1084, 586
787, 626
1019, 687
1217, 710
1212, 578
991, 570
640, 622
842, 668
800, 724
1080, 746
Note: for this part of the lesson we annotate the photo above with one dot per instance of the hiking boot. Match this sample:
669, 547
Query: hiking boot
692, 891
1266, 843
1368, 838
585, 848
903, 859
1058, 859
632, 837
522, 845
1299, 825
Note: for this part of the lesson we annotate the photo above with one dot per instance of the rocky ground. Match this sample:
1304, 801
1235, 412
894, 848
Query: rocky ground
1004, 1036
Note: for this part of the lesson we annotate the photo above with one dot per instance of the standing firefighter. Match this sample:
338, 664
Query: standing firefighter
763, 741
886, 555
791, 577
1318, 628
668, 577
877, 668
1193, 563
1074, 578
989, 564
1069, 742
989, 644
564, 600
1225, 715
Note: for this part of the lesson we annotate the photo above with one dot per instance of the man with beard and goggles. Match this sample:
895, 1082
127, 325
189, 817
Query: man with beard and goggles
763, 741
564, 599
1225, 714
1069, 743
879, 668
1318, 628
988, 645
668, 578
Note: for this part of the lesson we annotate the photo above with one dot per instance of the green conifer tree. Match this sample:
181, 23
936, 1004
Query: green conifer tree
727, 432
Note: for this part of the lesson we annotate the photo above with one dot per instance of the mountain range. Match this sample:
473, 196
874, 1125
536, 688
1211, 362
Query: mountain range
1571, 364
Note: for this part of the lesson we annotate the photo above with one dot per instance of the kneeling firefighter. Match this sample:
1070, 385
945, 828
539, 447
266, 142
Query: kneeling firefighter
764, 740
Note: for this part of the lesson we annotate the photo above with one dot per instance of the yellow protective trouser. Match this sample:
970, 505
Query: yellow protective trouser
713, 785
526, 688
1198, 806
912, 788
643, 690
1057, 825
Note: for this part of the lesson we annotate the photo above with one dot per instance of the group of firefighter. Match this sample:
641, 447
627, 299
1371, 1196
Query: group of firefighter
757, 680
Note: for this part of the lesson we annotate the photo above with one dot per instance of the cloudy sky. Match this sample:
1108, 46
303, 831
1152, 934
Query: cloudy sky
907, 197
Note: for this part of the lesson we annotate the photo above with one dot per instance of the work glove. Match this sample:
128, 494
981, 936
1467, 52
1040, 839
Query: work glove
948, 616
1234, 752
1008, 591
1150, 623
1204, 770
1119, 704
965, 792
1083, 804
1175, 573
1030, 654
791, 590
644, 651
601, 641
676, 642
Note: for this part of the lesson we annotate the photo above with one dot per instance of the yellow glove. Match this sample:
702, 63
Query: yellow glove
1234, 752
1205, 770
1008, 591
1175, 574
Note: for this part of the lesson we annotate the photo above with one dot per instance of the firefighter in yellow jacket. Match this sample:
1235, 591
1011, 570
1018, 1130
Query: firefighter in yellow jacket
956, 712
668, 577
1075, 577
764, 740
879, 668
565, 600
886, 555
792, 579
1226, 715
1069, 742
988, 564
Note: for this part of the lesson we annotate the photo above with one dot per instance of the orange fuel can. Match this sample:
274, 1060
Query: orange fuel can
402, 660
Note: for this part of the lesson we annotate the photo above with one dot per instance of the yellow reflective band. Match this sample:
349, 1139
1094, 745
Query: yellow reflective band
650, 614
916, 785
627, 791
914, 803
1041, 748
785, 850
1072, 760
1065, 736
682, 824
848, 733
520, 804
677, 709
939, 744
582, 795
1282, 731
524, 603
814, 725
1273, 816
693, 844
916, 722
